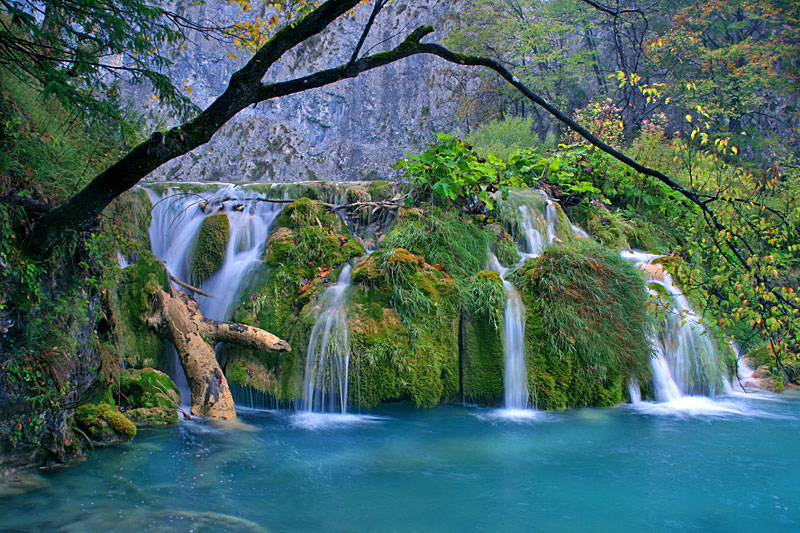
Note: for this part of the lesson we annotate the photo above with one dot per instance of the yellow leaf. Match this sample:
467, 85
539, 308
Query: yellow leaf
734, 150
688, 118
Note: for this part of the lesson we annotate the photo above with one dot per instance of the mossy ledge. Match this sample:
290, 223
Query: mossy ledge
104, 424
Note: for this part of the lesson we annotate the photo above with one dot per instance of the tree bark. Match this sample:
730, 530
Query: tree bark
178, 318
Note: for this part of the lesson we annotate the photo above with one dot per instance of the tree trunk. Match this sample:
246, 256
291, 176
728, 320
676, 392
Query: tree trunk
178, 318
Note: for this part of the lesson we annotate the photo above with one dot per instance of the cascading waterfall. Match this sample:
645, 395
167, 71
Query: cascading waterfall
539, 230
684, 359
176, 220
515, 392
328, 355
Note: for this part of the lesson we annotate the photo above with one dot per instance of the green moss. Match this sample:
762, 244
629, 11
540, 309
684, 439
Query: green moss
356, 194
483, 294
237, 374
458, 243
152, 416
586, 328
404, 320
483, 359
129, 215
146, 388
130, 302
103, 423
380, 190
482, 356
506, 250
209, 250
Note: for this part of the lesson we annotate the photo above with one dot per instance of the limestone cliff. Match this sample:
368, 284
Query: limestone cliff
354, 129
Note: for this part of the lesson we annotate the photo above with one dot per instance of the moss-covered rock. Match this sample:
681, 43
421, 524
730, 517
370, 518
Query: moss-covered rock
104, 424
303, 254
152, 416
404, 318
459, 243
130, 305
586, 328
146, 388
209, 250
504, 246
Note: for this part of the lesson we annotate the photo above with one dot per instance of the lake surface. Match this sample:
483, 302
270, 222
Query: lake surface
731, 465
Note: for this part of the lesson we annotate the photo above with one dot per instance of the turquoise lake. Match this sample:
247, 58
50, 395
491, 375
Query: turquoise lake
733, 467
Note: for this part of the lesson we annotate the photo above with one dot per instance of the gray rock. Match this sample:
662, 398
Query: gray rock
354, 129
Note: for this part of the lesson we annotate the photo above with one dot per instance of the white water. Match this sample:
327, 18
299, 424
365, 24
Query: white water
176, 221
686, 375
635, 390
328, 355
515, 384
539, 229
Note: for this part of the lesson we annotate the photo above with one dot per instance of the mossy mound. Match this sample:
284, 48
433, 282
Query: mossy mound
380, 190
404, 318
303, 253
146, 388
482, 354
209, 250
587, 326
130, 304
104, 424
457, 242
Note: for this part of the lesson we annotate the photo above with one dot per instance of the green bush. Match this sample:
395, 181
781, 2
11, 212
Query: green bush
505, 136
457, 242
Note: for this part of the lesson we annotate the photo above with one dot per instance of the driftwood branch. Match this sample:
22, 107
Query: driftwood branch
189, 287
178, 318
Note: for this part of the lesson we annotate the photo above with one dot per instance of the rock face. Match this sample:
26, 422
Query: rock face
354, 129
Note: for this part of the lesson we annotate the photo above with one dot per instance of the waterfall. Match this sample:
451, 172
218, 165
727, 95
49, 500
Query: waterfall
176, 220
684, 360
515, 390
328, 355
635, 390
539, 226
515, 384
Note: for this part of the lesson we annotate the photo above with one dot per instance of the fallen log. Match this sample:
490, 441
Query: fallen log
178, 318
